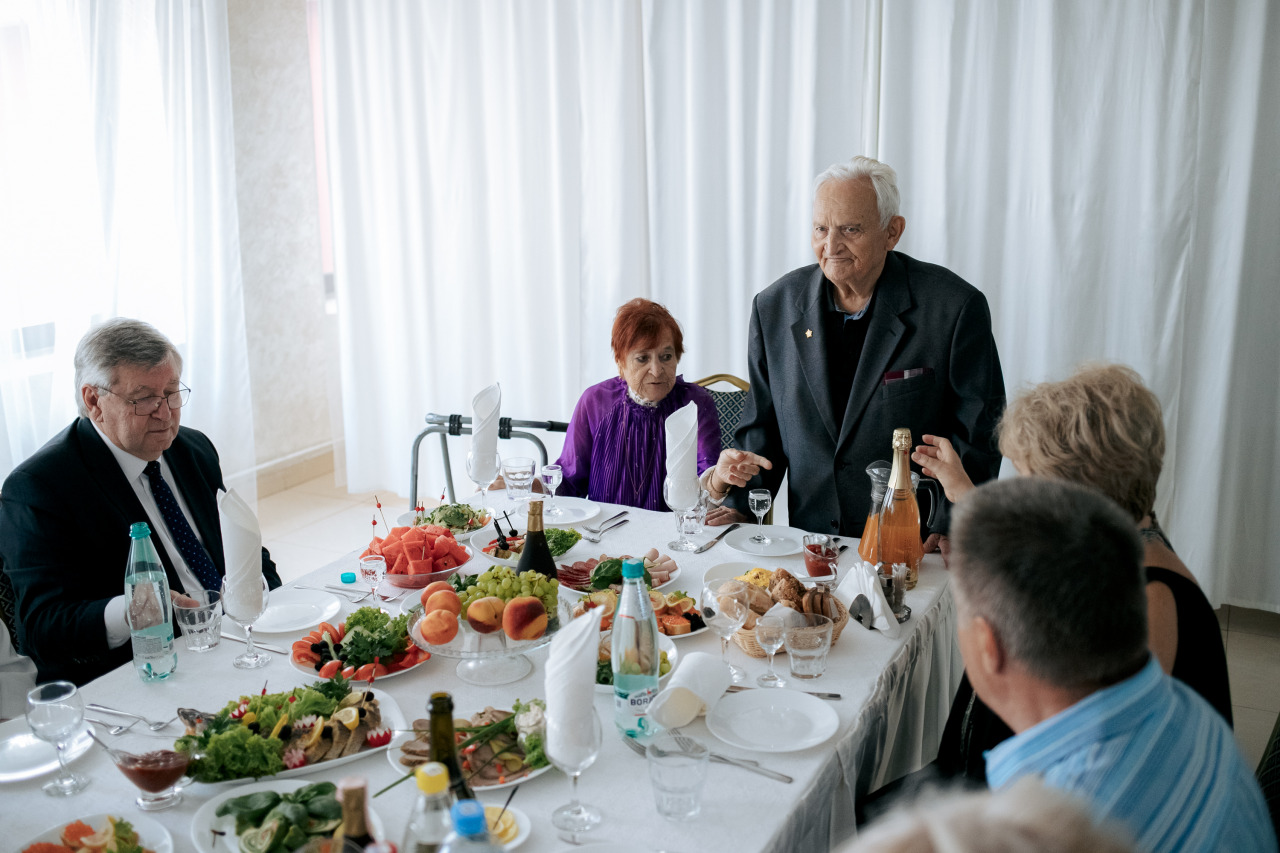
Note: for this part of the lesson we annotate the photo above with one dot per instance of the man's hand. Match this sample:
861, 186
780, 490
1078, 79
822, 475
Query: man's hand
939, 460
931, 542
736, 468
722, 515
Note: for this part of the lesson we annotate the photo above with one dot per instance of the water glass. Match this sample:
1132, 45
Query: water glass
372, 570
820, 555
551, 477
723, 606
244, 606
769, 631
483, 469
517, 473
677, 770
201, 622
689, 516
808, 644
760, 500
572, 748
55, 712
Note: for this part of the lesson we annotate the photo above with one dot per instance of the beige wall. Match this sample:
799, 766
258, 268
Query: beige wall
279, 227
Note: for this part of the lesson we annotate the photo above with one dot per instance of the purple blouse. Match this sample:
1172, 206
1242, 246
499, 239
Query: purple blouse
616, 449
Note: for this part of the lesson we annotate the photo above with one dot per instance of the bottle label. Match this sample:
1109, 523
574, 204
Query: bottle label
633, 703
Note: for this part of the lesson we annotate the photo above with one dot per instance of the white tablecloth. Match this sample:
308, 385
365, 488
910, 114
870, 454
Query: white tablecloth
896, 695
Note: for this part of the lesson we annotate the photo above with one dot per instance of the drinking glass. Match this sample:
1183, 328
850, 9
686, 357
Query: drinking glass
572, 748
679, 501
54, 713
244, 606
724, 607
517, 473
769, 631
201, 622
808, 645
159, 774
677, 770
372, 570
483, 469
551, 477
760, 500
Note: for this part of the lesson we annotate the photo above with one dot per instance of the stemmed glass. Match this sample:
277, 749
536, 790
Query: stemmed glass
483, 469
724, 608
54, 713
572, 749
244, 607
551, 477
769, 631
678, 501
760, 500
372, 570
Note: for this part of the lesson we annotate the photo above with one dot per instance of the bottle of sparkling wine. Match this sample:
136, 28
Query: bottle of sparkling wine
899, 525
444, 746
536, 556
353, 794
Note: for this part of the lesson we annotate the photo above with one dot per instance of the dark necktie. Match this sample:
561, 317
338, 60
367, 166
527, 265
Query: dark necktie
193, 553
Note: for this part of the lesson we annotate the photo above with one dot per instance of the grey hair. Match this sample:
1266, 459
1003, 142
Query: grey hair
119, 341
883, 180
1055, 568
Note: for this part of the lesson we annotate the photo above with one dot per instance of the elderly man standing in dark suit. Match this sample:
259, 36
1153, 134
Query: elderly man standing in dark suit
844, 351
65, 512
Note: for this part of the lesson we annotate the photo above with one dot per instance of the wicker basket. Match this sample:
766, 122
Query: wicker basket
746, 640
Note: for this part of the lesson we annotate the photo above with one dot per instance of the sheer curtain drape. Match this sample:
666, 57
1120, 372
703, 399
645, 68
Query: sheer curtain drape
117, 197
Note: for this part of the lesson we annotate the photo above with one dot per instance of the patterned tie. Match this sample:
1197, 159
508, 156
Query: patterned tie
197, 559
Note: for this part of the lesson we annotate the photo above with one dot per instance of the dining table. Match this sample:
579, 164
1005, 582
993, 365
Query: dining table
895, 695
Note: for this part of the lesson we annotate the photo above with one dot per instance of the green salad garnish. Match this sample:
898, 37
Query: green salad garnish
459, 518
560, 541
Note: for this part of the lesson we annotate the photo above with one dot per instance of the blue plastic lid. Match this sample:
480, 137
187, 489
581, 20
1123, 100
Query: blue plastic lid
347, 577
633, 568
468, 818
139, 530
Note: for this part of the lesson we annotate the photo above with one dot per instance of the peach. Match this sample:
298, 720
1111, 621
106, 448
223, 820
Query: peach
524, 618
445, 599
485, 614
438, 627
434, 587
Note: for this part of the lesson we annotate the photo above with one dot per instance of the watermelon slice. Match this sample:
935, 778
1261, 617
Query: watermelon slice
435, 530
445, 563
401, 566
375, 546
421, 567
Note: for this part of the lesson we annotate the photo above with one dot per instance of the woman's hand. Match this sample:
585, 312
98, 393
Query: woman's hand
719, 516
735, 468
939, 460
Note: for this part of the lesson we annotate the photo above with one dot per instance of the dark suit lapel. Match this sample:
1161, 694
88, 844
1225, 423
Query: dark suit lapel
893, 298
202, 502
810, 336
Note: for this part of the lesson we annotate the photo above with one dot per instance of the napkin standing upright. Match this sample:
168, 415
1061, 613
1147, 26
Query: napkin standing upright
242, 549
570, 684
682, 457
486, 407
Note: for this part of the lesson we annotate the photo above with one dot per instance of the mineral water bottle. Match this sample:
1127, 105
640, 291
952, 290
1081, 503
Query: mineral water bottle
147, 608
429, 824
634, 656
470, 830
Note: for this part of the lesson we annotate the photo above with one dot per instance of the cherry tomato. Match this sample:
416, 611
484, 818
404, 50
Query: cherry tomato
330, 669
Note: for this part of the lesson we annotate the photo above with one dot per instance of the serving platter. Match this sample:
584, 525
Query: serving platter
151, 835
478, 540
213, 834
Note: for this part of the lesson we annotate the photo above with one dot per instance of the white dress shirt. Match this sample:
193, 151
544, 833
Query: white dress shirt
134, 468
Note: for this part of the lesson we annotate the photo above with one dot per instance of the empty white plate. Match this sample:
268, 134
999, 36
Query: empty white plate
573, 510
25, 756
782, 540
291, 609
772, 720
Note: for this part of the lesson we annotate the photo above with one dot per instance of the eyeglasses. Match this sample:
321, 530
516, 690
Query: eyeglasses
151, 405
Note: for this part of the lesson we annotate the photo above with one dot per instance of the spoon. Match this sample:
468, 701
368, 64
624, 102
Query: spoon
862, 611
112, 728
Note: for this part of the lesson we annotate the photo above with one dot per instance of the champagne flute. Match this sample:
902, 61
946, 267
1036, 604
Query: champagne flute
724, 607
372, 570
760, 500
769, 631
483, 469
551, 477
244, 607
572, 746
54, 713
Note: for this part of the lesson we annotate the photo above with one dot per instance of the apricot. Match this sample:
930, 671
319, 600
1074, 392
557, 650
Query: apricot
432, 588
484, 615
445, 599
438, 627
524, 618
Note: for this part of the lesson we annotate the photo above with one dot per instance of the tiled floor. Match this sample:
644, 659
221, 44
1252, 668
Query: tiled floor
316, 523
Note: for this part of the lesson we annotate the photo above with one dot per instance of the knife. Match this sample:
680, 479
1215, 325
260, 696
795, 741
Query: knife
738, 688
763, 771
264, 646
711, 544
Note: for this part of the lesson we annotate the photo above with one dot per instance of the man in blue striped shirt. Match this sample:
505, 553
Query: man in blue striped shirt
1049, 590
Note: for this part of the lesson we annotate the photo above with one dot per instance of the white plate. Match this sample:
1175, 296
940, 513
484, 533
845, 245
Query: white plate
785, 540
778, 720
25, 756
392, 718
291, 609
206, 819
393, 755
480, 538
574, 510
673, 657
523, 826
151, 835
405, 519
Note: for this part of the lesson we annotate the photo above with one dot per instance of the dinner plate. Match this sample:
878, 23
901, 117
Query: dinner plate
574, 510
393, 755
291, 609
213, 834
478, 539
778, 720
673, 657
785, 540
151, 835
25, 756
523, 826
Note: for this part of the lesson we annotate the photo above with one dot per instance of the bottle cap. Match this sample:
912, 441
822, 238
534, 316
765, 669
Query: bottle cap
433, 778
902, 439
139, 530
633, 568
468, 818
347, 577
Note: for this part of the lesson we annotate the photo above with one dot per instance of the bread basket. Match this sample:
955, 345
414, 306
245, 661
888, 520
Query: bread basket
746, 639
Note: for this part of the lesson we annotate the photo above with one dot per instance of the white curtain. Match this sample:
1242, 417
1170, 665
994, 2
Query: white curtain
117, 197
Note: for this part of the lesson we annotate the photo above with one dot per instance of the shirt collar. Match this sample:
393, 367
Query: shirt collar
131, 465
829, 301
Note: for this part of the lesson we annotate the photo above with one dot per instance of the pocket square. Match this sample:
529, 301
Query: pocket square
899, 375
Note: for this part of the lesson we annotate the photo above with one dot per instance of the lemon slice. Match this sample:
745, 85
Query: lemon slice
349, 717
314, 736
505, 829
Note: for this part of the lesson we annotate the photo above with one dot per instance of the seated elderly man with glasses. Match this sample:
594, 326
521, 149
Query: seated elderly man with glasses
65, 512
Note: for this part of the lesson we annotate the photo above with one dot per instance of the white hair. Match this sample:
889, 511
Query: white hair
883, 180
119, 341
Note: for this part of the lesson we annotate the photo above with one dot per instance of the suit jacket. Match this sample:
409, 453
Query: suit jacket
924, 316
64, 540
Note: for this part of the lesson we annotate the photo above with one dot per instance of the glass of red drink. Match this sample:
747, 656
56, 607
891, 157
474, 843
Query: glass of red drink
158, 772
820, 555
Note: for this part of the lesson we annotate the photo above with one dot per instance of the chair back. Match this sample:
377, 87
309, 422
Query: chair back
8, 603
729, 404
1269, 775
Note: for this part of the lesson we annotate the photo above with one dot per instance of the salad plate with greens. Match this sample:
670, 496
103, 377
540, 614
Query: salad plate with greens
561, 541
265, 817
459, 518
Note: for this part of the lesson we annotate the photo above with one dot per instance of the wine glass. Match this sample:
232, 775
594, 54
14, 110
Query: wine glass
244, 606
551, 477
760, 500
54, 713
769, 635
372, 570
572, 746
483, 469
682, 502
724, 607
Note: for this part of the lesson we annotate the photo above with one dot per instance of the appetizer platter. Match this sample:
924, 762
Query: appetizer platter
370, 644
496, 748
102, 833
676, 612
277, 815
604, 664
605, 572
459, 519
560, 540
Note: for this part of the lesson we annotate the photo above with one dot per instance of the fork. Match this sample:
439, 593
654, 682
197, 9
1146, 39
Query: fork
597, 529
743, 763
112, 728
154, 725
600, 533
345, 593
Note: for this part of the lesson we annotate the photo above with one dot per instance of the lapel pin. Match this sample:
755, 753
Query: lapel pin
808, 333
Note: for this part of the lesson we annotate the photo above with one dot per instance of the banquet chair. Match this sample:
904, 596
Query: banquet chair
447, 425
8, 602
729, 404
1269, 775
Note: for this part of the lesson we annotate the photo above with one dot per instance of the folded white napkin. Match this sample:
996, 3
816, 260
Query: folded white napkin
696, 686
863, 578
485, 411
242, 550
682, 456
570, 684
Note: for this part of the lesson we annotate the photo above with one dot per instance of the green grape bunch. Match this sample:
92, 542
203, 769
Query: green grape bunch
506, 584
